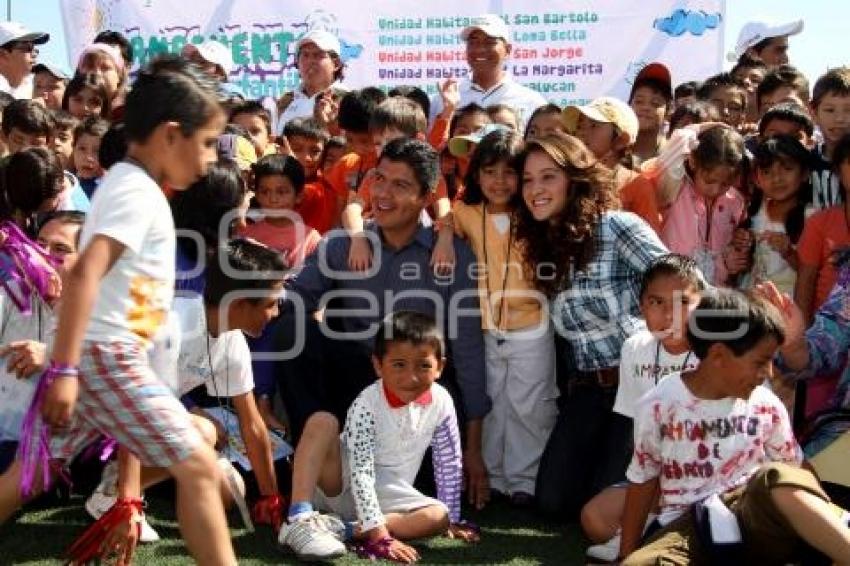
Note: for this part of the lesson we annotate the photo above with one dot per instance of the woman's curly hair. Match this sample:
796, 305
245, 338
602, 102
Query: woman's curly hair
566, 241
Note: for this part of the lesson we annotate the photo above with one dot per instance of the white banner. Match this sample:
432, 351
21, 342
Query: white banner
569, 51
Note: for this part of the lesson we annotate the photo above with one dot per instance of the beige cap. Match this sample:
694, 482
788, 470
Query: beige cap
605, 109
462, 146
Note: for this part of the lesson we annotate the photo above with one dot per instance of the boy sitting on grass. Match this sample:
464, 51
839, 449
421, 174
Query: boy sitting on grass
715, 442
365, 475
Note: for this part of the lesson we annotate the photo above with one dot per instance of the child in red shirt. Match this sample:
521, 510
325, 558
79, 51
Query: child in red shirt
278, 186
320, 203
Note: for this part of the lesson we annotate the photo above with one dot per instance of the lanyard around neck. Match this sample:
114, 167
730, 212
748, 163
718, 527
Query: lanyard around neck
656, 368
497, 321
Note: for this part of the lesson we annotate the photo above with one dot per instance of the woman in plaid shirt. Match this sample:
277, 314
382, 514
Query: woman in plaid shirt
589, 259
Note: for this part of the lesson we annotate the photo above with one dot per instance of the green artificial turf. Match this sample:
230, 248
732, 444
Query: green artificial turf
509, 536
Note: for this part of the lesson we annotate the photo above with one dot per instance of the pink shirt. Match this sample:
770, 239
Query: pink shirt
690, 228
294, 241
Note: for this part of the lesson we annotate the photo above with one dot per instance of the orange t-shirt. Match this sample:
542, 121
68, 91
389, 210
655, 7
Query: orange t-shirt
824, 232
320, 205
348, 173
439, 134
638, 196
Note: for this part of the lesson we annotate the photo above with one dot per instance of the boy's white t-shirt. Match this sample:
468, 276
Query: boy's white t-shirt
643, 363
699, 447
135, 294
225, 367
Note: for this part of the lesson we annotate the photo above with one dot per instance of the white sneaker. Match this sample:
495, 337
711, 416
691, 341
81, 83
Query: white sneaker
147, 533
605, 552
99, 503
333, 524
312, 538
109, 478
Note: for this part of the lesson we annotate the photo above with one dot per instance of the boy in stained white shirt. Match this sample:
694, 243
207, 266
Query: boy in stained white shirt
366, 474
714, 442
670, 291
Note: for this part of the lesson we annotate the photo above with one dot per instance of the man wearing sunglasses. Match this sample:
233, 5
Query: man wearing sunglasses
18, 52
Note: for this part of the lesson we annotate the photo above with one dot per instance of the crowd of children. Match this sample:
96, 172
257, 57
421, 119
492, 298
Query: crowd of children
617, 298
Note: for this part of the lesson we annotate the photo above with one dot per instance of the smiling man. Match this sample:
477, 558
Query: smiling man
488, 47
18, 53
401, 278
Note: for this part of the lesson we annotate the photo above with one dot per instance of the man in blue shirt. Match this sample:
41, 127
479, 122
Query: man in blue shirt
335, 363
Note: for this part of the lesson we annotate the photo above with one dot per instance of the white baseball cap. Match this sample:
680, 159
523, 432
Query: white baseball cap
324, 40
14, 31
491, 24
213, 52
754, 32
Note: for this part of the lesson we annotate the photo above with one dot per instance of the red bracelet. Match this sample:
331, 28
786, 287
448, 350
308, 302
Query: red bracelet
87, 547
136, 503
443, 223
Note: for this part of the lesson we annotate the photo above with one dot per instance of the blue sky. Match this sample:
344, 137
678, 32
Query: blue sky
826, 26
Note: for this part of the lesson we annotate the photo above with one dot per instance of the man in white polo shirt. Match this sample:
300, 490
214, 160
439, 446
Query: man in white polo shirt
487, 48
18, 52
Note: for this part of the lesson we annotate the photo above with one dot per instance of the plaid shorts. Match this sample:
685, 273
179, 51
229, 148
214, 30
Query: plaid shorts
122, 398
